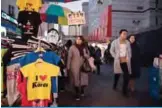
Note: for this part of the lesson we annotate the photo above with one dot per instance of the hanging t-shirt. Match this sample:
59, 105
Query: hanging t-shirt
12, 73
29, 22
22, 87
29, 5
39, 79
3, 51
50, 57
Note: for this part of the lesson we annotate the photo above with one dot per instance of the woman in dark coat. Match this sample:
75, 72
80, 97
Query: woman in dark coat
135, 62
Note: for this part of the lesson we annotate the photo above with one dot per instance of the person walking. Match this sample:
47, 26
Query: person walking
135, 63
97, 58
121, 52
76, 56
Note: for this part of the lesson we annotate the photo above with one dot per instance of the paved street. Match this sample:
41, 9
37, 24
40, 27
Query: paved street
100, 93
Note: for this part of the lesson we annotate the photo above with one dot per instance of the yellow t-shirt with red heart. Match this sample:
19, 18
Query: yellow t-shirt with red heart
39, 79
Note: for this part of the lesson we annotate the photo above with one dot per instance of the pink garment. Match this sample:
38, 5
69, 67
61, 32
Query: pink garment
12, 92
44, 8
22, 87
41, 103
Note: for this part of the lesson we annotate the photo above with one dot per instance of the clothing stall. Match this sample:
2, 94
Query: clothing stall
30, 64
22, 75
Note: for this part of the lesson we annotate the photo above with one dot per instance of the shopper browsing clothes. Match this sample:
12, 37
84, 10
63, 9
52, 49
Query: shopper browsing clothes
76, 56
121, 51
135, 63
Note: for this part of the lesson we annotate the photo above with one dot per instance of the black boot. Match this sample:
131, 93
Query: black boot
82, 91
77, 94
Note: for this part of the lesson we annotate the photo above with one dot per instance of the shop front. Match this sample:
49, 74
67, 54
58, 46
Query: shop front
9, 24
103, 31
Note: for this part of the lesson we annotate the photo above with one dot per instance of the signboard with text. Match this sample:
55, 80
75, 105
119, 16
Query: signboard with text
9, 18
76, 18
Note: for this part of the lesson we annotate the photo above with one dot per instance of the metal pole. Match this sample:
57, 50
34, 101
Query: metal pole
76, 30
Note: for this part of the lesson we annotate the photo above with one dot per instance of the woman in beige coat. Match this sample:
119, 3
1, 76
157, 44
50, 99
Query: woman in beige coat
76, 56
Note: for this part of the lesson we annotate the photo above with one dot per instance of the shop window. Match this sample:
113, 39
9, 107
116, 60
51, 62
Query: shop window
11, 11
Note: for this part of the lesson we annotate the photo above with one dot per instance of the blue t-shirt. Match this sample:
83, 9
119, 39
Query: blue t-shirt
49, 57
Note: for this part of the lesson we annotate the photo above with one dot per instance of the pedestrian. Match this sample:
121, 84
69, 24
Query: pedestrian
107, 56
92, 51
121, 52
135, 63
76, 55
66, 49
97, 58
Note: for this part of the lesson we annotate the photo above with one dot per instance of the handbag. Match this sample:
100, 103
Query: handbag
86, 68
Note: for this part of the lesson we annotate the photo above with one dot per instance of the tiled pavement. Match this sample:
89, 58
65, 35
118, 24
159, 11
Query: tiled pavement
100, 93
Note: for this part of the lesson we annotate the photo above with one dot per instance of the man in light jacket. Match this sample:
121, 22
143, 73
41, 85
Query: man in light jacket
121, 52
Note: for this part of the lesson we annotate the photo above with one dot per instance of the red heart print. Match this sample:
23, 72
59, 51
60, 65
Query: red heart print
43, 77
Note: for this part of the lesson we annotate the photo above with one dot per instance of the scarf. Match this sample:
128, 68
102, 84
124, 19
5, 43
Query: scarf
80, 48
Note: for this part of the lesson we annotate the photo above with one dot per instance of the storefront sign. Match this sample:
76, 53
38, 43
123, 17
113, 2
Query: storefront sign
77, 18
7, 17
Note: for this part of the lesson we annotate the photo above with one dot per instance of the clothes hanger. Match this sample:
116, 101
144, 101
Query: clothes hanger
39, 60
7, 39
39, 48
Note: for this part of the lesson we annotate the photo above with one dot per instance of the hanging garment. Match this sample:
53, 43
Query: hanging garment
22, 88
11, 62
29, 22
44, 44
49, 57
39, 79
12, 72
3, 51
29, 5
43, 29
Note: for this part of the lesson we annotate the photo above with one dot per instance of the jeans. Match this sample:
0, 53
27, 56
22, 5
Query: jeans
126, 76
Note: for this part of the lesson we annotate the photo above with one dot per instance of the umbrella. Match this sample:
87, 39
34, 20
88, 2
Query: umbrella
54, 19
63, 1
55, 10
54, 14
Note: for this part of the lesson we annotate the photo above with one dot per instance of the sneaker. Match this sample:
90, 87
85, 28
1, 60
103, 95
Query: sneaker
77, 98
54, 104
82, 94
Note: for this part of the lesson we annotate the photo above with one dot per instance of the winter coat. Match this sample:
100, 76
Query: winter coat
115, 52
74, 63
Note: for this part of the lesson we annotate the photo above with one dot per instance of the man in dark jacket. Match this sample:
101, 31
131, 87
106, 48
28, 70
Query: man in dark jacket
97, 58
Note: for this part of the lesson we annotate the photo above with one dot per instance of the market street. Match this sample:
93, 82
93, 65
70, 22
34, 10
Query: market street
100, 92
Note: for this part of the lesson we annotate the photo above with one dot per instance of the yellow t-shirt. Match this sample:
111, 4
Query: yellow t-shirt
39, 79
35, 4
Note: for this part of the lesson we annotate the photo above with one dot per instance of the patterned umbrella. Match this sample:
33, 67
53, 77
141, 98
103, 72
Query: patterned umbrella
54, 14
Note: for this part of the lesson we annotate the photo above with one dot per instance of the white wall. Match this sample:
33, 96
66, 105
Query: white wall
125, 19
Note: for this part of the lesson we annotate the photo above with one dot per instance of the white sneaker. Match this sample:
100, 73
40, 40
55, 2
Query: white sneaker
54, 104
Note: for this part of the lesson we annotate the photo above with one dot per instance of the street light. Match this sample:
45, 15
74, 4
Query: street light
100, 2
136, 23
